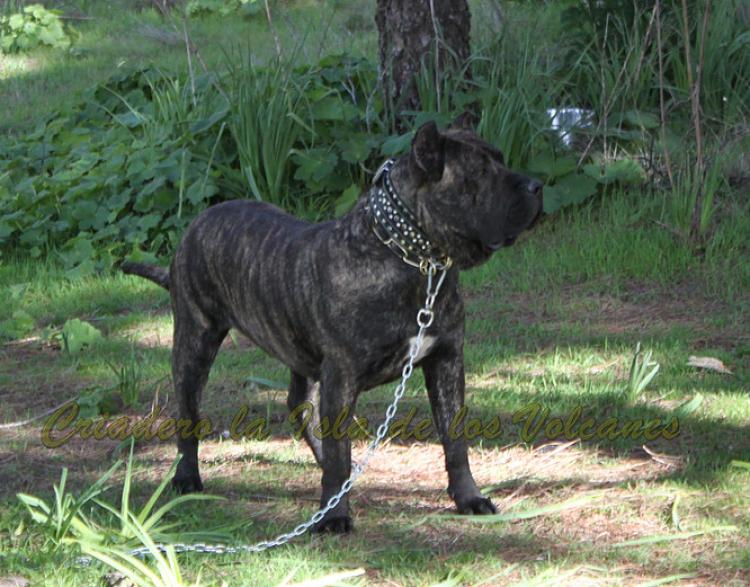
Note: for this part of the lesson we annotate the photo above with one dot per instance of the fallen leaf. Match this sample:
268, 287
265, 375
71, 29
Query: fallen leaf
708, 363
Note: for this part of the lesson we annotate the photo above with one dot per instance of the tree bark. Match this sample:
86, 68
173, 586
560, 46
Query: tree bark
412, 31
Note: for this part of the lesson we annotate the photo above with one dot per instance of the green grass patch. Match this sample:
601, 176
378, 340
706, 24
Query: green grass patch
561, 338
123, 160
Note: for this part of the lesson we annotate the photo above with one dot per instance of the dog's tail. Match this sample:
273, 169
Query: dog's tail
159, 275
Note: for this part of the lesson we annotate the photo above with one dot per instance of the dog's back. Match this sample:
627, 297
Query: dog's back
238, 266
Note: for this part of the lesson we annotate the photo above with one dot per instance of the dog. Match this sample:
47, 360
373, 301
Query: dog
335, 304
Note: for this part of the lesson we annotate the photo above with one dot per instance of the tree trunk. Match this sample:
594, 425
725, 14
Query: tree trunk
410, 31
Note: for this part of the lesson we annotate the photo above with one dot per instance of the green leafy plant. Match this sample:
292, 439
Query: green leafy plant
623, 171
93, 402
266, 125
149, 518
642, 372
35, 25
513, 101
99, 527
345, 127
19, 324
143, 528
77, 334
679, 202
573, 188
122, 173
306, 137
164, 568
129, 375
565, 185
64, 517
443, 91
246, 8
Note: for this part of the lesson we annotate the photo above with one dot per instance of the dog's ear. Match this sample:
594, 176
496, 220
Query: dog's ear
465, 121
428, 152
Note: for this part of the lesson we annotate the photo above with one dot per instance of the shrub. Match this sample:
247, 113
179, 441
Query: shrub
130, 165
223, 7
32, 27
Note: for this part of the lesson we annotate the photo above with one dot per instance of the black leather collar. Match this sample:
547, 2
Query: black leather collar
396, 225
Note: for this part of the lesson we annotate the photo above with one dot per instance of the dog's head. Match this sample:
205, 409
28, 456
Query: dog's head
465, 198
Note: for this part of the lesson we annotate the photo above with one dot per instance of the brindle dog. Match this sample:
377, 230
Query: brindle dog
337, 306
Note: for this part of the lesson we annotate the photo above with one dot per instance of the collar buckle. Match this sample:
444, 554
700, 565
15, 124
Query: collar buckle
384, 168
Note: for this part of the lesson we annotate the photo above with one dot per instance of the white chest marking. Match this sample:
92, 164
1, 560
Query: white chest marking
427, 343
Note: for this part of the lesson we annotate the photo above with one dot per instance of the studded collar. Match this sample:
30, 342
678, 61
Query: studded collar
396, 226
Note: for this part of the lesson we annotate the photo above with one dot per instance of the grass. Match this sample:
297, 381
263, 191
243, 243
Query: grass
537, 331
552, 323
634, 247
114, 36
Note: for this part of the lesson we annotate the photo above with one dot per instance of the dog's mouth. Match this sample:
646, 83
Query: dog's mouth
492, 247
537, 216
487, 247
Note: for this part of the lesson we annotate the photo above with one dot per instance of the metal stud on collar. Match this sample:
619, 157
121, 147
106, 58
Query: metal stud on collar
395, 224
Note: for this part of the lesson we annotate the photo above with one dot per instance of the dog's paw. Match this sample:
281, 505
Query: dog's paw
335, 525
191, 484
477, 505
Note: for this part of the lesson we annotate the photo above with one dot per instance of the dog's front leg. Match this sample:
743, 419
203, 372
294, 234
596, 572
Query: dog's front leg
337, 396
444, 376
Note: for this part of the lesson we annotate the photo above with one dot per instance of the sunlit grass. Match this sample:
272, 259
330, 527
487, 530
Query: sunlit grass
554, 320
114, 37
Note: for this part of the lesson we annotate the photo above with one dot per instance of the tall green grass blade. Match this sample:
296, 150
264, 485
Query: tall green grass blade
267, 106
676, 521
125, 500
154, 519
667, 580
146, 509
571, 504
135, 570
493, 578
656, 539
689, 406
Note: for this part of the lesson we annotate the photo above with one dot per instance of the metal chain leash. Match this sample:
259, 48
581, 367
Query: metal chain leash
435, 271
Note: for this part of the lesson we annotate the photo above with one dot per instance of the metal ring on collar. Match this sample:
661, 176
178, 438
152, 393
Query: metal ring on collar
425, 317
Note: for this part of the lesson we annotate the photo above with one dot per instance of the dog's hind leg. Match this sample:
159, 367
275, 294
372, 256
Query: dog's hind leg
303, 402
193, 352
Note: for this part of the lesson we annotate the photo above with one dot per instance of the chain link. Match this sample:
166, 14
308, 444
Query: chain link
435, 272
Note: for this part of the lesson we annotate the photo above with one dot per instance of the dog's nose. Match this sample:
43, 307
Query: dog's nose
534, 187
